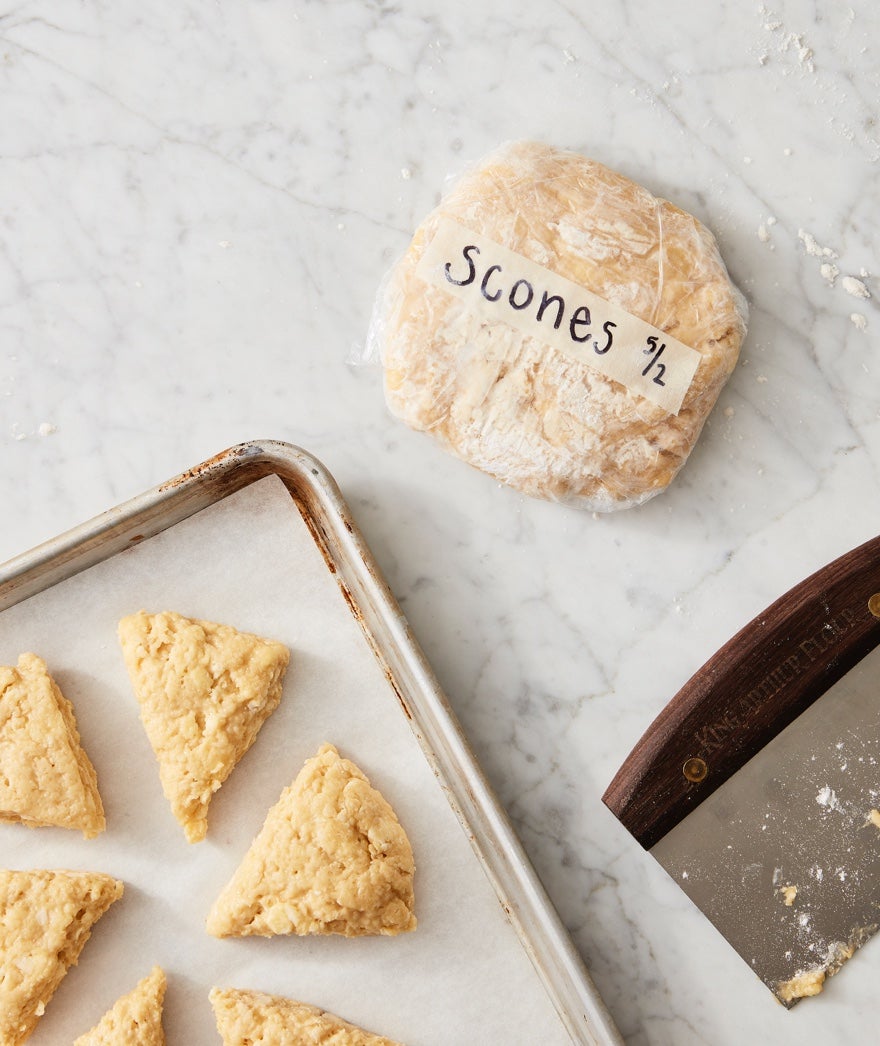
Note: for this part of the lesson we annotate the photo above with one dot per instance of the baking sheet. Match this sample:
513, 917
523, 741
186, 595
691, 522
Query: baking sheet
250, 561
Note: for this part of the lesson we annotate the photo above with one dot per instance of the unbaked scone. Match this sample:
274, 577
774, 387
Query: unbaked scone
204, 691
331, 857
506, 402
259, 1019
135, 1019
46, 917
46, 778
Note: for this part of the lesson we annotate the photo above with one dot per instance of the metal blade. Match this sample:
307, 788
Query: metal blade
784, 858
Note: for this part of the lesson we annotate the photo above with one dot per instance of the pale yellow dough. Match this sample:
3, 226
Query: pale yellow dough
46, 917
135, 1019
802, 986
789, 893
809, 982
46, 777
330, 858
258, 1019
505, 402
204, 691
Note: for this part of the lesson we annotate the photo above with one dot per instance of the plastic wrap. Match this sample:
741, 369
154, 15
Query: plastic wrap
499, 359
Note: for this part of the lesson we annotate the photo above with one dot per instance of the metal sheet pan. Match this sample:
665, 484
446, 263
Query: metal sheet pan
347, 557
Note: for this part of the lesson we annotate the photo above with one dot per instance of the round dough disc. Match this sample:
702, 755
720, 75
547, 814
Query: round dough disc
509, 404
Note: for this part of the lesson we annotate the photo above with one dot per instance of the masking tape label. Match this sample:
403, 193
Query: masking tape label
506, 287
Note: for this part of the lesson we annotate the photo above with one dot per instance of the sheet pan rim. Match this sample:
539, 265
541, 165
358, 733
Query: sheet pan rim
498, 849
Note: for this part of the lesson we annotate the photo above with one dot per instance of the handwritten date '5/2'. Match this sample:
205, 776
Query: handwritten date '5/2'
655, 352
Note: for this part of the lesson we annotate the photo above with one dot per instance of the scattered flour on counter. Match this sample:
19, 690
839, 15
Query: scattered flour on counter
45, 429
829, 272
855, 287
764, 232
786, 41
849, 112
814, 248
795, 41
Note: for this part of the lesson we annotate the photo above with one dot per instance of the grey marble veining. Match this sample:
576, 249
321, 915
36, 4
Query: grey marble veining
197, 204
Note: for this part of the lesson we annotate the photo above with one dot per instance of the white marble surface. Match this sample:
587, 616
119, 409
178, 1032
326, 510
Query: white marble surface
197, 202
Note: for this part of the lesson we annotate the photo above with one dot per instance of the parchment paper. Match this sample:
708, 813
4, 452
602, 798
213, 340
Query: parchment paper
249, 561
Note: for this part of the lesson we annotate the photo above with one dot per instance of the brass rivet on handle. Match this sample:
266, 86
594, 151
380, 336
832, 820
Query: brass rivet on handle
874, 604
695, 769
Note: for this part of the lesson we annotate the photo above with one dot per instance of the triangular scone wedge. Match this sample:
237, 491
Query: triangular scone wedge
271, 1020
135, 1019
45, 776
204, 692
330, 858
46, 918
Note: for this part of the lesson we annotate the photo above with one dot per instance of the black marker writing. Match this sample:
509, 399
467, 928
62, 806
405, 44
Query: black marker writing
447, 268
655, 354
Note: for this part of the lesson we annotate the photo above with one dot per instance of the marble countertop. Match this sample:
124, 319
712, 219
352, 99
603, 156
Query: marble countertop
197, 208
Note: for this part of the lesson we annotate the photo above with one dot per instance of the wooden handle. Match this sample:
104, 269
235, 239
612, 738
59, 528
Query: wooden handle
756, 684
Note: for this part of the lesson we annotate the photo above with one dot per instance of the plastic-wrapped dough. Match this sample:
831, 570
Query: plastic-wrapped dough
524, 328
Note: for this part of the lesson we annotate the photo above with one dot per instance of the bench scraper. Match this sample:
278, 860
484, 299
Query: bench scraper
758, 786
